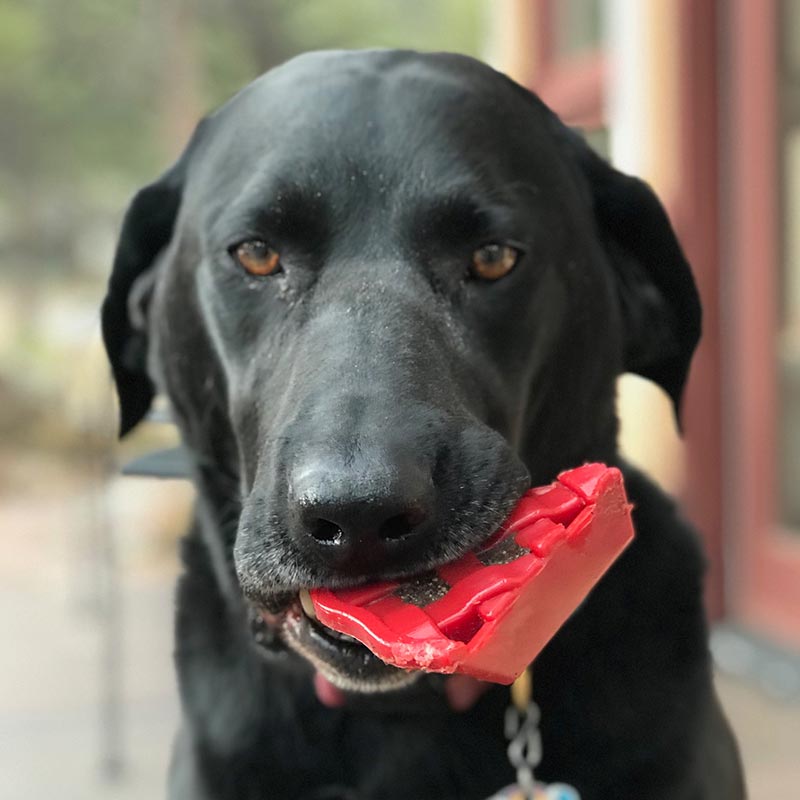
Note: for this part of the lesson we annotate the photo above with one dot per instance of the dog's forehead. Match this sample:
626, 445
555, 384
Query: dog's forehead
354, 86
391, 112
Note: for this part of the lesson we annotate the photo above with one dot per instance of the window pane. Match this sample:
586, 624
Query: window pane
790, 25
789, 338
578, 26
599, 141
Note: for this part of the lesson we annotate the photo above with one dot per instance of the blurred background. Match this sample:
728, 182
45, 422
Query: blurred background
699, 97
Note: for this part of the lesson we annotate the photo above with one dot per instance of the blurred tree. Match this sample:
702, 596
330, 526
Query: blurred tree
84, 83
74, 83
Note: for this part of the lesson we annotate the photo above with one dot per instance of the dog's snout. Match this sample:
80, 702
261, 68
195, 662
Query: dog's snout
359, 519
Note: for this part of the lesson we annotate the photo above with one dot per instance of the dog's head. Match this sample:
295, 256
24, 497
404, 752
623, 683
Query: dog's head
383, 291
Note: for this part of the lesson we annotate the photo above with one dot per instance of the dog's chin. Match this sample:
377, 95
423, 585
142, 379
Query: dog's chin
339, 658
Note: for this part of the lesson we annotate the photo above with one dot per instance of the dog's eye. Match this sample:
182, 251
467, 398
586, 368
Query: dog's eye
493, 261
258, 258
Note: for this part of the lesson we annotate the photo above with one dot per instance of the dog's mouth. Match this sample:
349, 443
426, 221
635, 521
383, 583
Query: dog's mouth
342, 662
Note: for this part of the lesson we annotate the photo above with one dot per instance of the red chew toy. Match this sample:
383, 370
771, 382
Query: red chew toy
492, 611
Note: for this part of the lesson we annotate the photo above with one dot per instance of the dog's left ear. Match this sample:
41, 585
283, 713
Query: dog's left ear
658, 298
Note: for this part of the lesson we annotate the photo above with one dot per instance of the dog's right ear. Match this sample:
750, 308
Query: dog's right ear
659, 301
146, 231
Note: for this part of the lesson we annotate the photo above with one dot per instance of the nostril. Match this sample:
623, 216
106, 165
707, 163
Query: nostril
327, 532
399, 526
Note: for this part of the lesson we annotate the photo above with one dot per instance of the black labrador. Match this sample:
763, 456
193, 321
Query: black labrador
385, 292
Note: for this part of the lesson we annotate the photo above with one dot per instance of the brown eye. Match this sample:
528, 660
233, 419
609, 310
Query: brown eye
258, 258
493, 261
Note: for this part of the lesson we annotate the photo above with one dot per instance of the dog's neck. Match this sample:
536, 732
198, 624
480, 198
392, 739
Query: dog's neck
545, 453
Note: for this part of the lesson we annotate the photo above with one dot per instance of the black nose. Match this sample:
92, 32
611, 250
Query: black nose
360, 520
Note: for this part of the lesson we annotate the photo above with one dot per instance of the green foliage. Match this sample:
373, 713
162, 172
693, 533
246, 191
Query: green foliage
82, 81
243, 38
420, 24
73, 86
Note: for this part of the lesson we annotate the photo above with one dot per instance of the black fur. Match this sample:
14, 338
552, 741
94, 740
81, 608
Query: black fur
376, 365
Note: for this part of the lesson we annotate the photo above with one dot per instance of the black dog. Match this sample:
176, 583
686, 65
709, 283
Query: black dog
385, 292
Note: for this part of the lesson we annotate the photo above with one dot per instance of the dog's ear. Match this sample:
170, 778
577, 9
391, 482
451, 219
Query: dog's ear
658, 298
146, 231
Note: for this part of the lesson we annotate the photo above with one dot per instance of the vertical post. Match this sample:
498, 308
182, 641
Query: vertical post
699, 219
752, 236
180, 103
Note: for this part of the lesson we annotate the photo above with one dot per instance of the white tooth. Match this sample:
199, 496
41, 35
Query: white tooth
308, 605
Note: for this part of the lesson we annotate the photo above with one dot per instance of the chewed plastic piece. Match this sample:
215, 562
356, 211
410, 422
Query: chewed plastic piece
489, 613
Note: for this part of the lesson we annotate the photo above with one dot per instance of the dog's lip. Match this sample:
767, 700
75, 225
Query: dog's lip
342, 660
345, 662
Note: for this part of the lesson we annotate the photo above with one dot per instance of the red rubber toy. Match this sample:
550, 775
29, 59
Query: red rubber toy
492, 611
